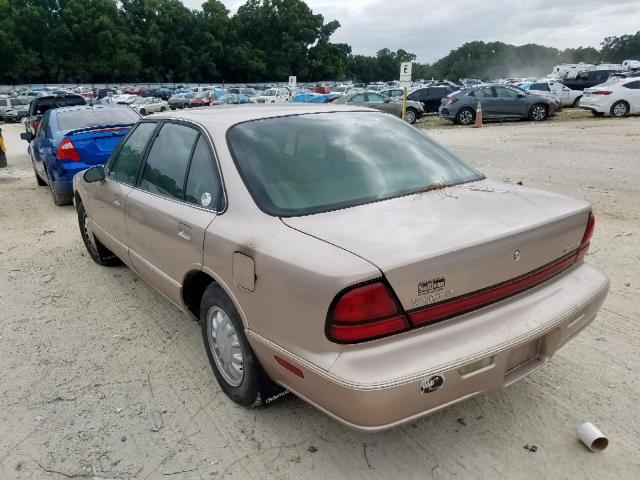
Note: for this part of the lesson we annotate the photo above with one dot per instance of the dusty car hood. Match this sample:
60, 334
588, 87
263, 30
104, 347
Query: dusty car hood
462, 238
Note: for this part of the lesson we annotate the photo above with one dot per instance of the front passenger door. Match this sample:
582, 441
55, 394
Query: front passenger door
170, 209
108, 198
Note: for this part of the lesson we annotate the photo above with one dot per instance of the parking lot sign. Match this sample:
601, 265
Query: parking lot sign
292, 82
405, 71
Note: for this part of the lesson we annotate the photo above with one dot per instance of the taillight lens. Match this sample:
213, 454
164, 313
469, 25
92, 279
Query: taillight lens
586, 238
67, 151
601, 92
364, 313
452, 101
36, 123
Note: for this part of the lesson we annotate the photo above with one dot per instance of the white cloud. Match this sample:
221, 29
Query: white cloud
431, 28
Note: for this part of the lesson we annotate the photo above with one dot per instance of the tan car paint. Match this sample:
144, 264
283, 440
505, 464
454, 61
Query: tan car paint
376, 384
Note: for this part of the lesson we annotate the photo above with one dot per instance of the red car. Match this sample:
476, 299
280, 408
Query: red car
322, 89
201, 100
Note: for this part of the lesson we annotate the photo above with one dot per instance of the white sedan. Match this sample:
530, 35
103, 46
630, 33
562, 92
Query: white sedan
147, 105
617, 98
566, 95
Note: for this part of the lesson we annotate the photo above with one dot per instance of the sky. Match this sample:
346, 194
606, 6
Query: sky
431, 28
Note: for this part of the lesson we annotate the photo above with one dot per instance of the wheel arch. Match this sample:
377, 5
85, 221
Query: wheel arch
193, 286
621, 100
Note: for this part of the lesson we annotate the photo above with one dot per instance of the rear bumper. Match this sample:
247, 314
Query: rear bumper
586, 104
381, 384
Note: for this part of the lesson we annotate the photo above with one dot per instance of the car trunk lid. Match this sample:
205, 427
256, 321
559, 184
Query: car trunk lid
95, 144
444, 244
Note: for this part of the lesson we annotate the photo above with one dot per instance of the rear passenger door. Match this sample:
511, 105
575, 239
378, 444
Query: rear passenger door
178, 195
632, 94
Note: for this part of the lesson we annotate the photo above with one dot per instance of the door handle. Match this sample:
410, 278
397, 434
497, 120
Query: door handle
184, 232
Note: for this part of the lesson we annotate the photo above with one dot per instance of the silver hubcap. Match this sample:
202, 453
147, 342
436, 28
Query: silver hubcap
409, 116
465, 117
538, 113
620, 110
225, 346
89, 232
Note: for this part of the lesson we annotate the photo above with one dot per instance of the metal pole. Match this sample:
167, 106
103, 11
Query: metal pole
404, 102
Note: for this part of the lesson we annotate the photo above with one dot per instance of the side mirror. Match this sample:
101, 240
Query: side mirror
94, 174
28, 136
387, 100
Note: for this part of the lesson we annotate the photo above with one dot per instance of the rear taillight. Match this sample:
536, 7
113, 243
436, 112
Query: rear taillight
600, 92
452, 101
36, 124
67, 151
586, 238
364, 313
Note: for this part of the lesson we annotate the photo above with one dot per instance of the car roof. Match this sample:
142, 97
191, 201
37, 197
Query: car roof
225, 116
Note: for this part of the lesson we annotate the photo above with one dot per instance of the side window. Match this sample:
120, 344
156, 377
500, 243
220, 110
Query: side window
633, 85
166, 166
503, 92
359, 98
203, 183
124, 167
542, 87
3, 103
375, 98
486, 92
44, 124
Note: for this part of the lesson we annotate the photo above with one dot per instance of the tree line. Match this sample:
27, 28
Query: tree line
84, 41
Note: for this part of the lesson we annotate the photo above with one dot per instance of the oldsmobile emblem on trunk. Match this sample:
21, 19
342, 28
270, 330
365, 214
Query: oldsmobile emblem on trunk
516, 255
431, 384
432, 285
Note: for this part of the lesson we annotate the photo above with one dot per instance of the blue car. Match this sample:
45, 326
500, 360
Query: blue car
71, 139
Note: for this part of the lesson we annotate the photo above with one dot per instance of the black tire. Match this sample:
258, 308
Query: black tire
163, 109
620, 109
411, 116
97, 251
465, 116
247, 392
173, 108
40, 181
60, 199
576, 102
143, 111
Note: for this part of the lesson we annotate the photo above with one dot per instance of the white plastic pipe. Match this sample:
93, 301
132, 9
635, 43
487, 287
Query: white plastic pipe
593, 438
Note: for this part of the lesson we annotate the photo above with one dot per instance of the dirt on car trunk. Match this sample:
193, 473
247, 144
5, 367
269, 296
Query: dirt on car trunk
104, 378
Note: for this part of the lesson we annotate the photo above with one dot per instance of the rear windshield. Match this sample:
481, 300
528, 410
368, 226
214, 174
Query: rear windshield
304, 164
75, 119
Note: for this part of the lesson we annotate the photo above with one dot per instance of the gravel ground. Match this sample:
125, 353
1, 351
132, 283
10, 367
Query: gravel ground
104, 378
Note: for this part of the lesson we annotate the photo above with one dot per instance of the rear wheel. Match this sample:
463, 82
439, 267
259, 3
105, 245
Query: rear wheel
620, 109
97, 251
538, 112
60, 198
410, 116
143, 111
233, 362
465, 116
40, 181
162, 109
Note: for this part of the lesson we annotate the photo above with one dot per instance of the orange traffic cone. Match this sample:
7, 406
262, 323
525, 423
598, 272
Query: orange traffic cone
478, 122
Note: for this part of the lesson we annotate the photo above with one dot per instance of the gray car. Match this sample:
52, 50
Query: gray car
499, 102
415, 110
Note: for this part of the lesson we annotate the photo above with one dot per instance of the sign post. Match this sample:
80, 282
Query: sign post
405, 82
